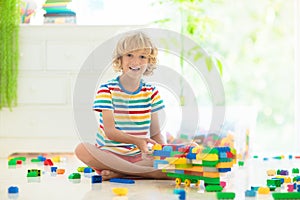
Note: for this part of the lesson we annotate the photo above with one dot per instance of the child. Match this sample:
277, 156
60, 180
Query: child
128, 110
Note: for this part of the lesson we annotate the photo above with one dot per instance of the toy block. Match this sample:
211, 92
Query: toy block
80, 169
96, 179
225, 195
60, 171
296, 179
167, 148
157, 163
211, 181
254, 188
122, 180
209, 163
263, 190
275, 182
162, 153
177, 171
179, 161
35, 160
295, 171
272, 187
74, 176
13, 190
56, 159
241, 163
210, 169
53, 169
48, 162
207, 157
290, 187
224, 170
156, 147
195, 169
213, 188
181, 193
250, 193
224, 165
41, 158
271, 172
87, 170
211, 174
284, 172
284, 179
197, 149
286, 195
33, 172
120, 191
223, 184
191, 156
193, 173
197, 162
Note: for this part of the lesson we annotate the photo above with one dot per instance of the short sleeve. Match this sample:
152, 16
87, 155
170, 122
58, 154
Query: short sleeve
103, 99
156, 101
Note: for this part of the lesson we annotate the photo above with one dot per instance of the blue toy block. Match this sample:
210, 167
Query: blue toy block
181, 193
191, 156
53, 169
96, 179
13, 190
157, 162
122, 180
250, 193
223, 170
167, 148
177, 171
41, 158
88, 170
254, 188
162, 153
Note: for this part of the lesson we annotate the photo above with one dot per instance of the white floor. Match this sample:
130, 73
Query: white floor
59, 187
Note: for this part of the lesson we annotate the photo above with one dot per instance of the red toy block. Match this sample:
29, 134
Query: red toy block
48, 162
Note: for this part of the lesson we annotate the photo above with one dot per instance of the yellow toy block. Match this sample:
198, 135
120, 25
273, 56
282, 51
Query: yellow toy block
120, 191
263, 190
156, 147
286, 179
197, 149
180, 161
207, 157
195, 169
271, 172
56, 159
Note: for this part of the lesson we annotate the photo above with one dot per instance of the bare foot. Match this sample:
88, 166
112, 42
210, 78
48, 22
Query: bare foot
108, 174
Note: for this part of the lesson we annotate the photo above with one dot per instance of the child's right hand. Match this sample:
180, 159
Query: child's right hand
142, 144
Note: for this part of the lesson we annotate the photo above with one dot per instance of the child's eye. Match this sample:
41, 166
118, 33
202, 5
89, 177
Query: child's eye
129, 55
143, 57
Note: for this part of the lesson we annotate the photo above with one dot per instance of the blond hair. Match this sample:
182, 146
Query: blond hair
132, 42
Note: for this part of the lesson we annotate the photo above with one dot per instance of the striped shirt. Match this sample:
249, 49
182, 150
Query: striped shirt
132, 111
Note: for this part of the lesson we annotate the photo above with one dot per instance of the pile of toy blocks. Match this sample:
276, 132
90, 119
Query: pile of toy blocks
192, 164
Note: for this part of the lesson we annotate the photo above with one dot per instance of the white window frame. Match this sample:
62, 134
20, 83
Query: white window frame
297, 75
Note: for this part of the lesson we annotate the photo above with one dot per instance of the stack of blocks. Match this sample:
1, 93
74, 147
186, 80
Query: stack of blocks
194, 163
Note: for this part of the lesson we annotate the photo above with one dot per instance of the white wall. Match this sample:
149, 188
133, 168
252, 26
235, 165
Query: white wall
50, 59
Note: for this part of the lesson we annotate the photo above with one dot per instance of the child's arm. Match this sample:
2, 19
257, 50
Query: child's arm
155, 133
119, 136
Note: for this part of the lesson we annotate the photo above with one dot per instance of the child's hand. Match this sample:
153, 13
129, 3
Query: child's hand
142, 144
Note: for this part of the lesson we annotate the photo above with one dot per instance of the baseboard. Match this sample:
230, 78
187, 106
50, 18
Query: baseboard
9, 146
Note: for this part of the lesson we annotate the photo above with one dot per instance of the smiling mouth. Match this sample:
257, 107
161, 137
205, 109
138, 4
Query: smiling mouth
134, 68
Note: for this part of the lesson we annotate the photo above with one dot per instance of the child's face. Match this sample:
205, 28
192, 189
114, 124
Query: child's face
135, 63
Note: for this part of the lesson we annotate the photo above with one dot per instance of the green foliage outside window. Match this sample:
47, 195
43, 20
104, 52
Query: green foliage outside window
9, 51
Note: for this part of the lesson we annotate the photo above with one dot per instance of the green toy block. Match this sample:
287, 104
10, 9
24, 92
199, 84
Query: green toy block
12, 162
80, 169
274, 182
295, 170
74, 176
213, 188
35, 160
209, 163
225, 195
286, 195
272, 187
241, 163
